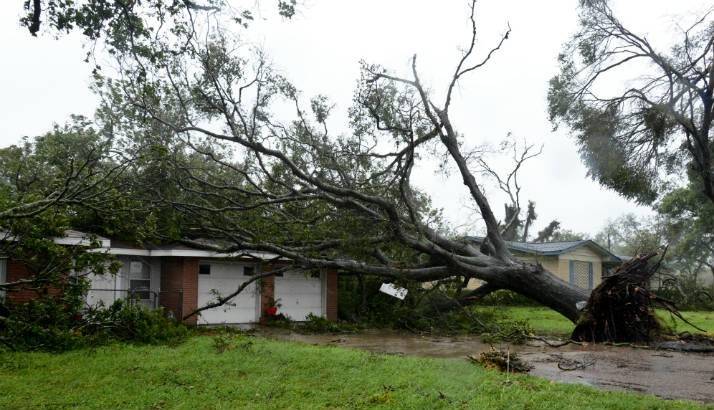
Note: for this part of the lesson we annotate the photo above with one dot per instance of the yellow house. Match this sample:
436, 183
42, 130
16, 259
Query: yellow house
580, 263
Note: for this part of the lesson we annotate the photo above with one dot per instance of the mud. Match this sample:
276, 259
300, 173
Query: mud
671, 375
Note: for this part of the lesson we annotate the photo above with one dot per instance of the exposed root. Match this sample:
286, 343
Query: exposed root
622, 310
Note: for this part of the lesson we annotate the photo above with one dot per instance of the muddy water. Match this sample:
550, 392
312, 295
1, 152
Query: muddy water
666, 374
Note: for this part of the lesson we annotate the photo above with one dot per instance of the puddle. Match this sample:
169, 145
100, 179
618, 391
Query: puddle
671, 375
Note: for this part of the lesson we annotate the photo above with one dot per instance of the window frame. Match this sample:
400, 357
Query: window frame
201, 266
141, 293
249, 270
591, 273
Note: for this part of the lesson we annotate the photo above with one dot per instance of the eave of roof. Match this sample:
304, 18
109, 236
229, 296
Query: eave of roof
122, 248
553, 248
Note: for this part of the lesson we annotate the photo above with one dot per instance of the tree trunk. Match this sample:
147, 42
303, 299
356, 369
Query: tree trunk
545, 288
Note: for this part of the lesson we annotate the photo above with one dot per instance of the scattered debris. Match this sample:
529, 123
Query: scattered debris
687, 346
503, 361
568, 365
391, 290
554, 343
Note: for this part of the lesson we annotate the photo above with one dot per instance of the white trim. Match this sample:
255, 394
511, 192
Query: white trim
129, 252
199, 253
186, 253
84, 241
323, 279
105, 245
3, 274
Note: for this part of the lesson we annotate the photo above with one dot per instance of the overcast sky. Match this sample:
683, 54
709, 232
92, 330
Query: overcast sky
43, 80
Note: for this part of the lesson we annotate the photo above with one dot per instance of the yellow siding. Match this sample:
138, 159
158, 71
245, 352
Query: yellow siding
560, 265
550, 263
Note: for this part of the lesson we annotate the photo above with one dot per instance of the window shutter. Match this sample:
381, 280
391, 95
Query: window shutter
571, 269
590, 275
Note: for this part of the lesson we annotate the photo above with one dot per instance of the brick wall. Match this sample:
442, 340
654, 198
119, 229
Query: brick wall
18, 270
267, 294
331, 294
179, 286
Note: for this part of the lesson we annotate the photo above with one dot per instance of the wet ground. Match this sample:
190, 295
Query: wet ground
672, 375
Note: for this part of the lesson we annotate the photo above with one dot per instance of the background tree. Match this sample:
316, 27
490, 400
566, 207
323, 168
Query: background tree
47, 185
657, 124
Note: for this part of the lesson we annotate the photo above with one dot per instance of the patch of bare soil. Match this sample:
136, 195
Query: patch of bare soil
667, 374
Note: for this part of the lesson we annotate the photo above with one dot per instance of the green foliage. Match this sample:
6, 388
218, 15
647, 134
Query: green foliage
418, 312
131, 27
131, 322
688, 295
61, 323
635, 135
319, 324
506, 298
47, 323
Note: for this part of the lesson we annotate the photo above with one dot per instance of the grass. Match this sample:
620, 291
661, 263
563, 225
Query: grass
550, 322
262, 374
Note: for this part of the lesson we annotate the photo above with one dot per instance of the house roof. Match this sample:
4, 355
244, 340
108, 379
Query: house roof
119, 247
553, 248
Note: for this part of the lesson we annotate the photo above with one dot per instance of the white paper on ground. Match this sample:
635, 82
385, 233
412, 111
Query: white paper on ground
391, 290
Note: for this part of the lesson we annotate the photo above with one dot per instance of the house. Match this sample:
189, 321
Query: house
580, 263
181, 279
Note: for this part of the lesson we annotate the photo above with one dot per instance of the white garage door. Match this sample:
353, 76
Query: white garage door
225, 277
299, 294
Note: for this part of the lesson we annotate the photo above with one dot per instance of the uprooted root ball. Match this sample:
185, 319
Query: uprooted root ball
622, 309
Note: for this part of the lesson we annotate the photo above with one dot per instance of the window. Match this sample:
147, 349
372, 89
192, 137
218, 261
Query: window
140, 289
204, 269
248, 270
581, 274
139, 281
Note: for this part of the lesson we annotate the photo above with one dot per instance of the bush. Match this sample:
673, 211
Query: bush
47, 323
132, 323
53, 324
319, 324
417, 313
688, 297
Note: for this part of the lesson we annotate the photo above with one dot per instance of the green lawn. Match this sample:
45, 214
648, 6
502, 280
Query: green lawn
266, 374
547, 321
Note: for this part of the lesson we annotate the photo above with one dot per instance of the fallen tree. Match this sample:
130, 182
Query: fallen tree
321, 201
284, 184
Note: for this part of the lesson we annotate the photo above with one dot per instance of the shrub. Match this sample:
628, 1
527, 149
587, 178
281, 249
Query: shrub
319, 324
57, 324
131, 322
